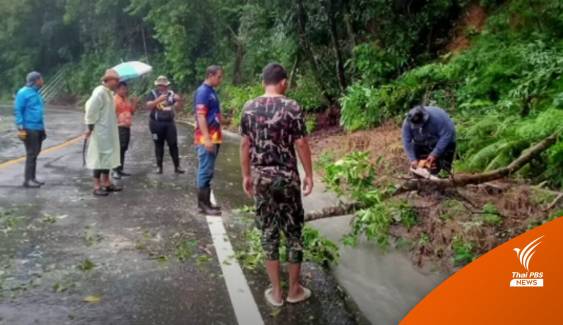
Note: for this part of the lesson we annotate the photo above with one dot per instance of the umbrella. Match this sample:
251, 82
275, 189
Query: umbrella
132, 70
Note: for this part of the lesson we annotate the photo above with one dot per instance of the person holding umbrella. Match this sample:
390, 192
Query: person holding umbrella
163, 103
103, 150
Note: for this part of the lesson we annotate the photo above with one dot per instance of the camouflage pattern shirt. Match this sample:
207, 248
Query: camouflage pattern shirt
273, 124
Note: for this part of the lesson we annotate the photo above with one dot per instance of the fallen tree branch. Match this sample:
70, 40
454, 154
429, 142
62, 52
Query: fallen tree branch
554, 202
463, 180
442, 184
340, 210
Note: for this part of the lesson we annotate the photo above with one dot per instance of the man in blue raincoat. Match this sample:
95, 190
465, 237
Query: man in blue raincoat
29, 112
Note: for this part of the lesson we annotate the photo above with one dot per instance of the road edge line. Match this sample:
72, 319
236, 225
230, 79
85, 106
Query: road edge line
242, 300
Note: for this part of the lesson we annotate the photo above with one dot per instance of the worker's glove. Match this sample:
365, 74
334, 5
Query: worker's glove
22, 134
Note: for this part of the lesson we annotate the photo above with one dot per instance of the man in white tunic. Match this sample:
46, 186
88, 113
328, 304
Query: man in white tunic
103, 150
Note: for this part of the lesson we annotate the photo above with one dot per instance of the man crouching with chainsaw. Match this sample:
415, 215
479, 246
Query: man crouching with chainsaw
429, 139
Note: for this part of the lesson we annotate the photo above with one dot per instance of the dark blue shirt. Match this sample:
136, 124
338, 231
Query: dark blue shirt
209, 106
437, 132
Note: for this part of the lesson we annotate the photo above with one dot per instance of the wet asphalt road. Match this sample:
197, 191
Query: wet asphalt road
143, 256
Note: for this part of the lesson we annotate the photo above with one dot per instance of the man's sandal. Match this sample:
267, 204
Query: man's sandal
270, 298
304, 296
100, 192
113, 188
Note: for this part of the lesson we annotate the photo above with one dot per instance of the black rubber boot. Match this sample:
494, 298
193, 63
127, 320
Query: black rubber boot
208, 200
204, 205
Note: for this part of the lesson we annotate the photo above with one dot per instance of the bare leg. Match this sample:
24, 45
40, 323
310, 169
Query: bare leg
273, 269
295, 289
105, 180
97, 183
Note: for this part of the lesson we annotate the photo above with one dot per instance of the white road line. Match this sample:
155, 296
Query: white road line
243, 302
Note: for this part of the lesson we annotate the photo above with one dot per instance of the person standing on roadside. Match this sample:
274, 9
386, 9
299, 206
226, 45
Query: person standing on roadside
124, 109
272, 128
208, 136
103, 150
29, 112
163, 104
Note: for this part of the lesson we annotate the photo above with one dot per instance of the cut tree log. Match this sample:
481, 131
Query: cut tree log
463, 180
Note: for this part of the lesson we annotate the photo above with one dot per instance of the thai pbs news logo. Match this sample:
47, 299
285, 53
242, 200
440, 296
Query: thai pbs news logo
528, 278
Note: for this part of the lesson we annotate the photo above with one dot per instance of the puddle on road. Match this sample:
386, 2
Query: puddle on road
385, 285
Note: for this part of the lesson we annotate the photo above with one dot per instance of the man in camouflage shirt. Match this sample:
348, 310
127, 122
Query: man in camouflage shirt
272, 127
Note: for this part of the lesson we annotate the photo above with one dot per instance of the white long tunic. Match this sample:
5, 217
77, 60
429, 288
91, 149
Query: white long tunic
103, 150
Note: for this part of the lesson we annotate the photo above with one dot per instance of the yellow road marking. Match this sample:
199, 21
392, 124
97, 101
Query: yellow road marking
48, 150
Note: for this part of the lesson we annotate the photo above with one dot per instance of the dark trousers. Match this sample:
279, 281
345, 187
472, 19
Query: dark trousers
165, 132
124, 138
33, 143
99, 172
445, 162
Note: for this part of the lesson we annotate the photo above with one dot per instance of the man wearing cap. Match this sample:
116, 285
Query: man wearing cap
208, 136
103, 150
29, 111
429, 137
163, 103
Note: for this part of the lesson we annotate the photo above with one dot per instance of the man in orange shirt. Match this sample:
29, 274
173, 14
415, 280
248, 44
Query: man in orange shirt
124, 108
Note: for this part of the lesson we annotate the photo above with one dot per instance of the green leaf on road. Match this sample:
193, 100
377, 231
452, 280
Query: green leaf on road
92, 299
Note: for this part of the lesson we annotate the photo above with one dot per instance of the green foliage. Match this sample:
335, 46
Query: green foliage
310, 123
451, 209
405, 214
317, 249
308, 94
374, 223
462, 251
185, 249
234, 98
359, 108
373, 64
86, 265
354, 174
490, 215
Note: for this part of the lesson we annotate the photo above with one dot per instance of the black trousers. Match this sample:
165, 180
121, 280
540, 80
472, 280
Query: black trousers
165, 132
33, 143
99, 172
445, 162
124, 138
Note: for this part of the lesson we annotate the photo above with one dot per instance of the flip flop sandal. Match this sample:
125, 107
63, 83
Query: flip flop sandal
306, 295
113, 188
100, 192
270, 299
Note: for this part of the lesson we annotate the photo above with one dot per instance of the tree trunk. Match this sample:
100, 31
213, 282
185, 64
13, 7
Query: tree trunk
239, 59
462, 180
306, 46
340, 71
293, 71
